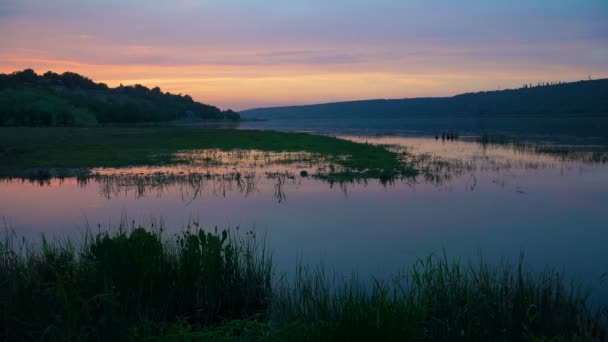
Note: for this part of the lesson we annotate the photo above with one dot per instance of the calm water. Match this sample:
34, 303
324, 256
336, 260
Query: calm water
471, 199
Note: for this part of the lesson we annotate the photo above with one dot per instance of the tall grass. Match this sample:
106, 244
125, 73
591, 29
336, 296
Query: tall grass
134, 284
111, 285
438, 300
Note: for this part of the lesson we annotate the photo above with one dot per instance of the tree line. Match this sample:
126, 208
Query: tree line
70, 99
547, 99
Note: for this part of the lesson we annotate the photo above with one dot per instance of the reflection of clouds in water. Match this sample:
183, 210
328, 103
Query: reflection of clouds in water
503, 155
443, 164
440, 162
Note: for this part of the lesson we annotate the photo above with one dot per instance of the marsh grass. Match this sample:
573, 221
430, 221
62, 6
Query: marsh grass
134, 284
437, 300
113, 284
33, 152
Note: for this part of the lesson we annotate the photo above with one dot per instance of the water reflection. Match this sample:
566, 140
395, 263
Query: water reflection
190, 186
439, 161
468, 197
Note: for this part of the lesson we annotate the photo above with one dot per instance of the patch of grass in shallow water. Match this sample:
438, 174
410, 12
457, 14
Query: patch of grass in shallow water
84, 148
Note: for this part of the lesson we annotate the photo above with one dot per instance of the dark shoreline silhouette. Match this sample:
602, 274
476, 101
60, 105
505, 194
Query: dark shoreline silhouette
69, 99
582, 97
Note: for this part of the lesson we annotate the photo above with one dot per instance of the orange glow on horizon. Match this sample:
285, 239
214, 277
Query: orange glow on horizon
254, 53
246, 86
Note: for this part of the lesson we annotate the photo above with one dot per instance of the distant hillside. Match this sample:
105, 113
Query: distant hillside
69, 99
583, 97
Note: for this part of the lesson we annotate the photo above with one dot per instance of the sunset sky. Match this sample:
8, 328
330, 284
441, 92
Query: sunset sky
243, 54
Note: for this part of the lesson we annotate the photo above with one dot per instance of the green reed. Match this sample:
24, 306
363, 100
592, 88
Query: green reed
438, 300
135, 284
112, 283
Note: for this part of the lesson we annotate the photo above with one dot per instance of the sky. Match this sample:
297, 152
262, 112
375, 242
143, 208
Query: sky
254, 53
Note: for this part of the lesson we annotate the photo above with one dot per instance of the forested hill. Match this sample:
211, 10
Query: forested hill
583, 97
69, 99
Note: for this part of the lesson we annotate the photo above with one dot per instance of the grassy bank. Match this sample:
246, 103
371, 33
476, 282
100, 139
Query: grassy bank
137, 285
40, 148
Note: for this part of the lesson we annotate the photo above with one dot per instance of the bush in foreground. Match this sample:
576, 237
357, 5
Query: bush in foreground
114, 283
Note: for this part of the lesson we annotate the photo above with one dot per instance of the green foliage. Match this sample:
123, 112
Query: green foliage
69, 99
31, 107
113, 285
231, 115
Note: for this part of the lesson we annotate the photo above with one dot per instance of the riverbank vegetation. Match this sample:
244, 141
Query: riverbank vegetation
69, 99
137, 284
27, 150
